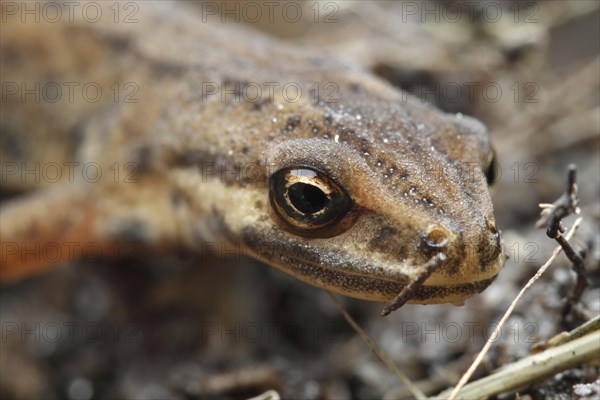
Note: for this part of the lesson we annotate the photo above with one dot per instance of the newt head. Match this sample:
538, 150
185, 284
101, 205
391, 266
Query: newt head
363, 206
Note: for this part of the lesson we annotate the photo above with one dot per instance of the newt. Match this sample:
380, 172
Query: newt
173, 132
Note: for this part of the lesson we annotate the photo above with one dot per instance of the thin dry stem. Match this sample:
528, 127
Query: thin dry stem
514, 376
377, 351
465, 378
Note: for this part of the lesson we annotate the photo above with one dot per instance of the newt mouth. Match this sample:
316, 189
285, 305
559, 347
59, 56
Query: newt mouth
349, 282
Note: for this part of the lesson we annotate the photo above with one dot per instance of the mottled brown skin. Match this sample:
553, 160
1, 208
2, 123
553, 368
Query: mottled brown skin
398, 159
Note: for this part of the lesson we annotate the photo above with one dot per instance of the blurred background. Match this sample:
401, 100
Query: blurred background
165, 328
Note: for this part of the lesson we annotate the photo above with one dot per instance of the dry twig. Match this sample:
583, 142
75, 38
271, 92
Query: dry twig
551, 218
465, 378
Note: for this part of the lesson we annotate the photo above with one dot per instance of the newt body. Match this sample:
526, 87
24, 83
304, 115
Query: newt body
313, 166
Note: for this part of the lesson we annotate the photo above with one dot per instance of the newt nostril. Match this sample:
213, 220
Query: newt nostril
436, 238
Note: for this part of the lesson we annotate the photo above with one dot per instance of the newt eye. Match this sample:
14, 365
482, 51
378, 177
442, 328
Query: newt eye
307, 199
491, 168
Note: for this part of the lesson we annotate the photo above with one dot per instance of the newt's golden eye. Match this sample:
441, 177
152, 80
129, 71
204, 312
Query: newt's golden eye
306, 199
491, 169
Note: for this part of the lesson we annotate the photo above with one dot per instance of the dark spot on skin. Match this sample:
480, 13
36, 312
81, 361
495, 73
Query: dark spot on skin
402, 173
356, 88
245, 150
386, 233
292, 123
235, 87
10, 55
381, 239
365, 147
342, 129
143, 159
315, 61
460, 253
50, 76
77, 136
258, 104
428, 203
197, 158
162, 69
118, 42
133, 231
13, 143
386, 241
230, 175
347, 133
176, 199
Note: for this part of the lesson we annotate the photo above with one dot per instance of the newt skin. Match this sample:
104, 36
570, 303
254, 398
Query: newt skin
199, 149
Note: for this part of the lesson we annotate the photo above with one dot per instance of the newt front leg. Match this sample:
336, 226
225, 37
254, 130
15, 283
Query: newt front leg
45, 230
